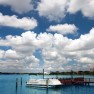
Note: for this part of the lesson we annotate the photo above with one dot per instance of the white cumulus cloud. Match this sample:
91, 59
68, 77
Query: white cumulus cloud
83, 43
12, 21
56, 10
63, 28
85, 6
52, 9
57, 52
19, 6
2, 53
11, 54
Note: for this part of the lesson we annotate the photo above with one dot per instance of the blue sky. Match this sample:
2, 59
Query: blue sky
56, 35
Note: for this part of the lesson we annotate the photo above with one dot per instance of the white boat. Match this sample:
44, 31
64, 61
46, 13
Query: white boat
43, 83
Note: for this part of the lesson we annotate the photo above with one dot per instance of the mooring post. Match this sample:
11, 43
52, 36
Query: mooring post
47, 83
83, 74
72, 74
89, 79
46, 90
43, 73
16, 82
21, 81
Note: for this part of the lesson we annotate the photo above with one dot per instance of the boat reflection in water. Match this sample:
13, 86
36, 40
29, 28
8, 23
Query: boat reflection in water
36, 90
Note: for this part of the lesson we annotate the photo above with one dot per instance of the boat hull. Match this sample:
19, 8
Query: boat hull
43, 86
44, 83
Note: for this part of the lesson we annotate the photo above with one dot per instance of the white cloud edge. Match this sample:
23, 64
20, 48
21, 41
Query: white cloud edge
63, 28
25, 23
54, 12
18, 6
58, 10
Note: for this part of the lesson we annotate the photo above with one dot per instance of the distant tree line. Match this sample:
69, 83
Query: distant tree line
73, 72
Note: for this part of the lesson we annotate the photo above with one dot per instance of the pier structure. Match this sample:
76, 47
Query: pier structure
76, 81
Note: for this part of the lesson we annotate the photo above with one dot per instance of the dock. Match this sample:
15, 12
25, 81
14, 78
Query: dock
76, 81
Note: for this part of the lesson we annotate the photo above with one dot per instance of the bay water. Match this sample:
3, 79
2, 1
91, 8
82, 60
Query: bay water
8, 85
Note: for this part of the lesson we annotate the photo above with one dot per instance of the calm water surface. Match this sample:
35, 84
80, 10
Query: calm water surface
8, 86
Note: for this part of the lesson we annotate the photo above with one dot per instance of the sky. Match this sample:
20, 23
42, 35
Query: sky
55, 35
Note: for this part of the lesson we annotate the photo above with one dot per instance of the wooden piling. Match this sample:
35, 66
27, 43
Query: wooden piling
43, 73
21, 81
47, 83
16, 82
71, 74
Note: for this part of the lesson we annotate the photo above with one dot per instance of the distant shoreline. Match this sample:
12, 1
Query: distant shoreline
57, 73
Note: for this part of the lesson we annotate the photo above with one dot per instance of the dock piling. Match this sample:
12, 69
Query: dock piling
21, 81
47, 83
16, 82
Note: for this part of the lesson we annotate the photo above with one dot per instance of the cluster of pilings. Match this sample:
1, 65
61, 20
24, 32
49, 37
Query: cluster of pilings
18, 83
